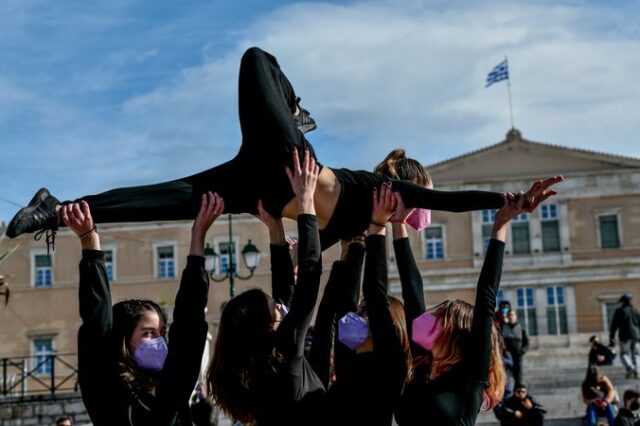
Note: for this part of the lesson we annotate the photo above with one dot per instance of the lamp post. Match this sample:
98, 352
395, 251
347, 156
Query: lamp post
250, 255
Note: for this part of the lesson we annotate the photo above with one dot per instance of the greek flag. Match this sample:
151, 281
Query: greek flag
498, 73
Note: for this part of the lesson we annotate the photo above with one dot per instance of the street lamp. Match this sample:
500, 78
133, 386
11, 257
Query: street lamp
250, 255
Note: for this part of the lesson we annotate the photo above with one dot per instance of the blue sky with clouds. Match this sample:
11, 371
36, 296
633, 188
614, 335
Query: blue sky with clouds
99, 94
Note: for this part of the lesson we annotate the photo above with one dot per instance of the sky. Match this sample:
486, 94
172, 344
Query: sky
100, 94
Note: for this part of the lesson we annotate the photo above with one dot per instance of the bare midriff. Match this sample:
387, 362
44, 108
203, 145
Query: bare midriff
325, 198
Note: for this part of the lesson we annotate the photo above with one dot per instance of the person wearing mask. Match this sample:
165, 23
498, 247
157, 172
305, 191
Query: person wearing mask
626, 322
516, 341
258, 374
462, 371
629, 415
130, 370
501, 313
522, 410
272, 125
600, 354
599, 394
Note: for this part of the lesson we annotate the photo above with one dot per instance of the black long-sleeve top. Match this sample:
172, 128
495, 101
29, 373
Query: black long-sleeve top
341, 295
626, 322
515, 338
353, 212
455, 397
108, 399
368, 387
298, 392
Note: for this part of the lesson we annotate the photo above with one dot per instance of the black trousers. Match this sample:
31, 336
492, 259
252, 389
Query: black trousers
267, 101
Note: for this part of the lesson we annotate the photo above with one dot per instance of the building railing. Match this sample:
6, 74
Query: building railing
38, 375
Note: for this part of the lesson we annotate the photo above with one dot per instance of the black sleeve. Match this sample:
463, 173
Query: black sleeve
282, 279
415, 195
412, 288
386, 341
478, 356
615, 323
97, 372
293, 328
187, 337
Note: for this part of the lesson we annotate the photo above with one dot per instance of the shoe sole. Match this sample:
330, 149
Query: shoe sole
305, 128
40, 196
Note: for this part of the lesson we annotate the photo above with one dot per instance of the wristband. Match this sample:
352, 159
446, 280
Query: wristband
88, 233
377, 224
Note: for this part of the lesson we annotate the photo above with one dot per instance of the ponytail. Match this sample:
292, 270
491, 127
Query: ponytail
397, 165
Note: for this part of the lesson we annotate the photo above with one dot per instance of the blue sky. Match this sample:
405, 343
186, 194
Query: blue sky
100, 94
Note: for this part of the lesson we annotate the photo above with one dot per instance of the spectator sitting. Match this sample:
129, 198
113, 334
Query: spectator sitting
64, 421
600, 354
522, 410
599, 394
628, 415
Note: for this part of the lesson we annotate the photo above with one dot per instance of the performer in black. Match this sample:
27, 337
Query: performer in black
128, 376
259, 374
272, 124
463, 370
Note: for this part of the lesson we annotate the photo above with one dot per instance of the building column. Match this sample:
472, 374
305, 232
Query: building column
570, 303
565, 236
540, 298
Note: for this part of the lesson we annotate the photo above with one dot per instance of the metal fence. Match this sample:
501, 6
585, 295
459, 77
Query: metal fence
41, 374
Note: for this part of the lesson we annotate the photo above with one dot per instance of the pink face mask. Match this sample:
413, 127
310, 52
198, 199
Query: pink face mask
419, 219
426, 329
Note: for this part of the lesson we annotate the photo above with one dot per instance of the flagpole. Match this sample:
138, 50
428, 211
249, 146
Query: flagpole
509, 90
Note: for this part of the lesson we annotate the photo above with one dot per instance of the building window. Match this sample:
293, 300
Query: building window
556, 310
42, 351
499, 296
43, 271
488, 216
609, 309
520, 240
166, 262
227, 249
609, 233
109, 264
526, 309
434, 242
550, 228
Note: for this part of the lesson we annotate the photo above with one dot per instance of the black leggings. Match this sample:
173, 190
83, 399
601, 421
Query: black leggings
269, 134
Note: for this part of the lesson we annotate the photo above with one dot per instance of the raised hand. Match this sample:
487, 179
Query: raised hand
402, 212
77, 216
513, 206
539, 192
211, 207
303, 181
384, 205
275, 226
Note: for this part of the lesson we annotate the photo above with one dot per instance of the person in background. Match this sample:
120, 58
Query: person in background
600, 354
501, 313
516, 341
626, 322
628, 415
599, 394
64, 421
522, 410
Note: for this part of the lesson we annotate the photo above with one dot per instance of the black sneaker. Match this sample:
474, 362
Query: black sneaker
304, 122
39, 215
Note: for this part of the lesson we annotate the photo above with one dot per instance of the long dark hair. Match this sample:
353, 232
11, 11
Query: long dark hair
397, 165
126, 316
245, 362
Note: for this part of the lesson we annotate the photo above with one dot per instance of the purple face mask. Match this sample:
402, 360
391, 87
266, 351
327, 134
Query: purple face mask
353, 330
426, 329
419, 219
150, 354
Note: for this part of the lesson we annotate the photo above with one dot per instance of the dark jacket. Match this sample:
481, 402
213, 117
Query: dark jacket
108, 399
626, 320
531, 416
627, 417
515, 338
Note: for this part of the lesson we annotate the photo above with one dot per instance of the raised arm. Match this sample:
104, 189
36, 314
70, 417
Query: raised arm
188, 331
96, 358
410, 277
282, 273
293, 329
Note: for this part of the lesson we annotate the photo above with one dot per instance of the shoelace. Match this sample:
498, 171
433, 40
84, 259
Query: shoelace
50, 238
